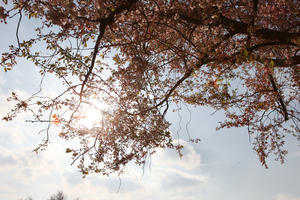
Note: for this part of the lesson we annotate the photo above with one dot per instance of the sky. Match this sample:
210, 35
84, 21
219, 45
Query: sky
222, 166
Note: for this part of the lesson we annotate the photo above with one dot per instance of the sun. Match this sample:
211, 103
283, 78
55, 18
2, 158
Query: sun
91, 115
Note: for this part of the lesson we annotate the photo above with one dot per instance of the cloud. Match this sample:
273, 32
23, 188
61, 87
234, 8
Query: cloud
24, 172
191, 160
176, 179
169, 178
21, 164
122, 184
286, 197
72, 178
7, 160
28, 166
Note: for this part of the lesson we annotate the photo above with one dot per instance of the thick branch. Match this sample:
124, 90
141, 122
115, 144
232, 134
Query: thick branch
279, 62
103, 24
96, 49
237, 27
282, 104
294, 61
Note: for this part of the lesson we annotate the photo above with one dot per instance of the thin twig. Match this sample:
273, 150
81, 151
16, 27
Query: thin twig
18, 26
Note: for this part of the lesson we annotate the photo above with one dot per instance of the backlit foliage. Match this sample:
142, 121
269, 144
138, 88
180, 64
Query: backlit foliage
239, 56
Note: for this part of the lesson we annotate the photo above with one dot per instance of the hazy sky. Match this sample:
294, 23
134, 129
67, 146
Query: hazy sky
221, 167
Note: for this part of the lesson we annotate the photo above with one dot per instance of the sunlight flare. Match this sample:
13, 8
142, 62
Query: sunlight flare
91, 115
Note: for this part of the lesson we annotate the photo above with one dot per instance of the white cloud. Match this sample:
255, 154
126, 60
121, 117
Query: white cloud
24, 165
6, 161
176, 179
286, 197
166, 157
170, 177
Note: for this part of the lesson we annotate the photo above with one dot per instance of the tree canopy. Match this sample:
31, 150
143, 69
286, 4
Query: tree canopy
140, 56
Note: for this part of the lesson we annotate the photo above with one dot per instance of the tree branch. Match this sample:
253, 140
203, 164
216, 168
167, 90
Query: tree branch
18, 26
103, 24
235, 27
276, 90
186, 75
96, 50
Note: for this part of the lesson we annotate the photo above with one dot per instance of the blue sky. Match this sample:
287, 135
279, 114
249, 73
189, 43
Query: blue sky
221, 167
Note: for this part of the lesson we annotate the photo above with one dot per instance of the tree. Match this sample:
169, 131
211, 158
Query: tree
235, 55
58, 196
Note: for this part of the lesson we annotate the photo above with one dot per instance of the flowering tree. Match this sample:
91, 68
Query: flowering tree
139, 56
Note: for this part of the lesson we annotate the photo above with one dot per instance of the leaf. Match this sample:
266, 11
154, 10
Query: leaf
33, 14
85, 172
68, 150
